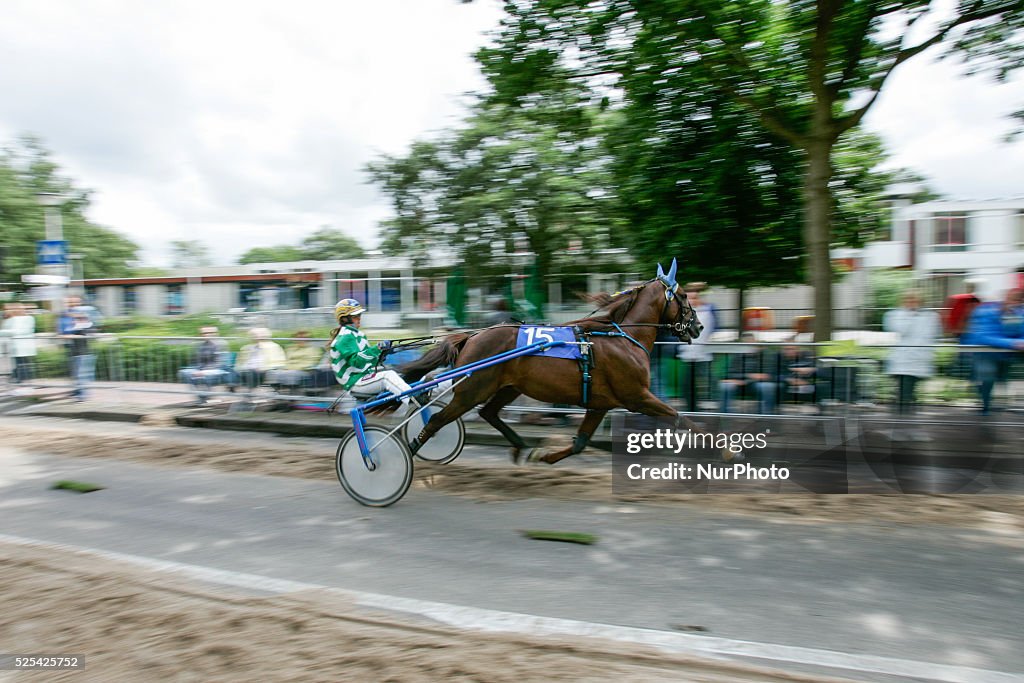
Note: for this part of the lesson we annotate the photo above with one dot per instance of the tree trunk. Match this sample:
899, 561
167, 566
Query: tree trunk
741, 297
818, 233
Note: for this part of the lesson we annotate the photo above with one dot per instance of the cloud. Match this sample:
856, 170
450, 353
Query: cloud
246, 124
950, 128
236, 123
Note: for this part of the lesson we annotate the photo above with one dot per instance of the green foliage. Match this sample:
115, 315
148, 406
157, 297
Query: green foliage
189, 254
271, 255
885, 288
509, 181
26, 170
806, 73
178, 326
325, 244
330, 244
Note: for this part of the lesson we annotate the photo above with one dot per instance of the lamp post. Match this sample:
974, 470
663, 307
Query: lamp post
51, 203
54, 223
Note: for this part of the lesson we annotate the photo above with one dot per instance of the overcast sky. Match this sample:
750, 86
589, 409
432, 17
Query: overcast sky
244, 124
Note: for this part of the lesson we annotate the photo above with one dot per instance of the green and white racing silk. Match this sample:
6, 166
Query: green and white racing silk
352, 357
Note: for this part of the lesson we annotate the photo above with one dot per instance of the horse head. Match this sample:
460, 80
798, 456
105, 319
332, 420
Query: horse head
683, 323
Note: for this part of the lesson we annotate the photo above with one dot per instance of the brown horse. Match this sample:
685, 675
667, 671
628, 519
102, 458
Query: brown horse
621, 336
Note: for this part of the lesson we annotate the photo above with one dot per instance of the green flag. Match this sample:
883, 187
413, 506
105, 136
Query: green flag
455, 295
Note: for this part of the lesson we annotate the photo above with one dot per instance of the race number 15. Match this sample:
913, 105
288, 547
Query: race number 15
539, 334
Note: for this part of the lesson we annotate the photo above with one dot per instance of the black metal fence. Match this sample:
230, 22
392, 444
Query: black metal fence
836, 377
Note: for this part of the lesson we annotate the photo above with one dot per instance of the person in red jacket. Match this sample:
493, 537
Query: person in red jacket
958, 311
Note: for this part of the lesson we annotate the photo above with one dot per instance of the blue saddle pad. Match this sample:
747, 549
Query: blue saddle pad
531, 334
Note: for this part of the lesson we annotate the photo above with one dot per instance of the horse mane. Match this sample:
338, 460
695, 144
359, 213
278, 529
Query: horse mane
611, 308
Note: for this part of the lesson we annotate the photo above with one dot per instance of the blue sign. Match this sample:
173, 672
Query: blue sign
531, 334
51, 252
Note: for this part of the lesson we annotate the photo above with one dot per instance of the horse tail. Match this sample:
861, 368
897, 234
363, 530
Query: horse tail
445, 353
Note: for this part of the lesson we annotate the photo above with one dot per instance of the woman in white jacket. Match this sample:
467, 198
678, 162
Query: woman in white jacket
919, 330
19, 329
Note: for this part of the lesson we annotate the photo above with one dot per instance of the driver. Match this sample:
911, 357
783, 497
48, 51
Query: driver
354, 359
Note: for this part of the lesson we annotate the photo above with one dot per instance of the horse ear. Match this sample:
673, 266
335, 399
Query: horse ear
661, 273
672, 271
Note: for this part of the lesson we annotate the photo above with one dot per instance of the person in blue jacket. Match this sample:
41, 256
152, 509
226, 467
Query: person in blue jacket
999, 325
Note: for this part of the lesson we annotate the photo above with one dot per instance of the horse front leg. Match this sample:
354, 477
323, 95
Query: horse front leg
491, 412
590, 423
650, 404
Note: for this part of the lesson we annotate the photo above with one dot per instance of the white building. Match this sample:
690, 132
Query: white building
948, 242
385, 286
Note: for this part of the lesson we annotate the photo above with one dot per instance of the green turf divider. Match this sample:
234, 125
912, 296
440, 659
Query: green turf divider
79, 486
563, 536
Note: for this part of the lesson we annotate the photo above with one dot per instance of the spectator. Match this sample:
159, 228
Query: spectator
749, 367
211, 365
19, 328
919, 330
76, 327
300, 365
958, 311
257, 358
797, 370
6, 362
999, 325
698, 355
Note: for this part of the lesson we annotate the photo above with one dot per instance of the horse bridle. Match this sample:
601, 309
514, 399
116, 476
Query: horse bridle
687, 314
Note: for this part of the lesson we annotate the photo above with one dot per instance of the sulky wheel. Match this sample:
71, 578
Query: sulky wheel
380, 479
444, 446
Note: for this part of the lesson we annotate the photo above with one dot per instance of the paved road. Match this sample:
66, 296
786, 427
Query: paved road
909, 593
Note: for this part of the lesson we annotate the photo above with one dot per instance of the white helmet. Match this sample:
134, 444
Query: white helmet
347, 308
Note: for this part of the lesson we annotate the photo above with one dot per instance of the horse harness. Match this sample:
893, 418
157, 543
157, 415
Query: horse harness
587, 360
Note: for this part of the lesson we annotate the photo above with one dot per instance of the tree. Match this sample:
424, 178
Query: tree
508, 183
271, 255
26, 170
323, 245
189, 254
329, 244
808, 71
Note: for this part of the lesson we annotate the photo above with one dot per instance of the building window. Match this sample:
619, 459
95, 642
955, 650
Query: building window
175, 300
129, 304
353, 288
390, 294
950, 232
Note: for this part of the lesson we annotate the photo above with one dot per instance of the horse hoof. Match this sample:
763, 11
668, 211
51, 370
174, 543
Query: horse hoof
536, 455
516, 455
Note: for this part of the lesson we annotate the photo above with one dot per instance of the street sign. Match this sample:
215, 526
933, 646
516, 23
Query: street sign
51, 252
43, 279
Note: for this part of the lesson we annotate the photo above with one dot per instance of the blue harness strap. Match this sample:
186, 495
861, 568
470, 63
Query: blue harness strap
621, 333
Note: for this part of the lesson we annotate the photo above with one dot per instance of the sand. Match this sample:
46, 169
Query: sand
134, 624
1001, 513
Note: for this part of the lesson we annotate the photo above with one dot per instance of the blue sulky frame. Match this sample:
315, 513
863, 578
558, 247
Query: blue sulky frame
359, 412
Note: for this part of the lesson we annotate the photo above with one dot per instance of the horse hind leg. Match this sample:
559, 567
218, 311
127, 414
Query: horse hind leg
459, 406
591, 421
491, 413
